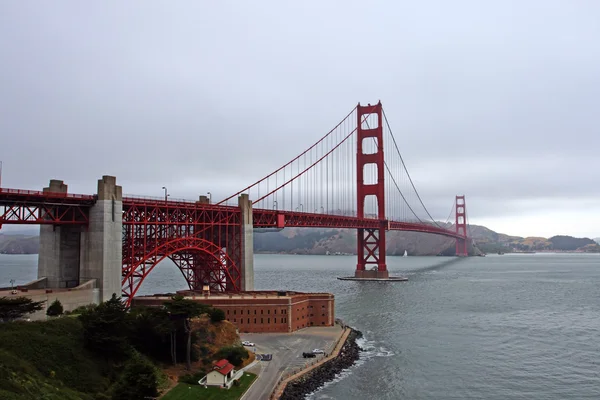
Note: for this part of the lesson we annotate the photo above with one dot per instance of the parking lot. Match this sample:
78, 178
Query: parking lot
286, 349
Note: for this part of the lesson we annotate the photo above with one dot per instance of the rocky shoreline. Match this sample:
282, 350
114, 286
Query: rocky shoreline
313, 380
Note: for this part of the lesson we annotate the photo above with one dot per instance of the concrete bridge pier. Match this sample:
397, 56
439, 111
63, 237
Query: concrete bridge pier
58, 258
71, 254
247, 243
102, 243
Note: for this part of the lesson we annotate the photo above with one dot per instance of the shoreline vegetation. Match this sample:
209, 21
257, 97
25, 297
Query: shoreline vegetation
102, 352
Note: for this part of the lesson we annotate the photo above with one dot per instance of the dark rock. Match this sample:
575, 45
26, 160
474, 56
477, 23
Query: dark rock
316, 378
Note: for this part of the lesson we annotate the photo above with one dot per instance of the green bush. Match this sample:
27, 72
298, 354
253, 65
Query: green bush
234, 354
82, 309
138, 381
55, 309
192, 379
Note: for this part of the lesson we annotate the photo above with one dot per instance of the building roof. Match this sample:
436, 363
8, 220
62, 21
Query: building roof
221, 363
225, 370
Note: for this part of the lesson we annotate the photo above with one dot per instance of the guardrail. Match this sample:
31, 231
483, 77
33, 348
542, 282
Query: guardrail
47, 194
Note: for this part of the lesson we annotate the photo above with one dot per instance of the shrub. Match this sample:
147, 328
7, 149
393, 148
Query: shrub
138, 381
192, 379
217, 315
55, 309
234, 354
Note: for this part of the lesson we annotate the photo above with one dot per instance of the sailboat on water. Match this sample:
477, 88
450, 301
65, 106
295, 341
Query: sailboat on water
405, 254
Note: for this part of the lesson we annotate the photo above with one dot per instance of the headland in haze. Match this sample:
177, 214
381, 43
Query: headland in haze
343, 241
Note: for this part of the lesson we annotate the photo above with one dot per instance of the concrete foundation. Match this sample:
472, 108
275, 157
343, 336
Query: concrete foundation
72, 254
389, 279
247, 243
371, 274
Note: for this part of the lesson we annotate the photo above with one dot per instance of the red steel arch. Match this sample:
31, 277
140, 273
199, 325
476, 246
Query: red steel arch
200, 261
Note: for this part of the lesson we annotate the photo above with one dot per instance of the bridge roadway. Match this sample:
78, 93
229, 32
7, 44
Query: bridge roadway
36, 207
263, 218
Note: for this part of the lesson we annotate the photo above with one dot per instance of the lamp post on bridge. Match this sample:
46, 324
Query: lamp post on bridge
209, 197
166, 195
274, 204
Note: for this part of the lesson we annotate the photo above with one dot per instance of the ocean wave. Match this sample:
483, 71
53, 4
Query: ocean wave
370, 349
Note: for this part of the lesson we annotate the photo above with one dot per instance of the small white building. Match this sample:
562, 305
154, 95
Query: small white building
222, 375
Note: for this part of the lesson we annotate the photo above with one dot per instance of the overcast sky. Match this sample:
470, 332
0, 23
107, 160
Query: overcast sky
497, 100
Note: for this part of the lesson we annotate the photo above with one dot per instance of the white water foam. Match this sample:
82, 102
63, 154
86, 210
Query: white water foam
370, 349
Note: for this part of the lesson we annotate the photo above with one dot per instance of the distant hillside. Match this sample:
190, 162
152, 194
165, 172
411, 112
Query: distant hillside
19, 244
343, 241
323, 241
569, 243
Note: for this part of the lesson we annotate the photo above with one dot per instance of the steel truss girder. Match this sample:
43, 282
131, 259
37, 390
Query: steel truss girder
43, 214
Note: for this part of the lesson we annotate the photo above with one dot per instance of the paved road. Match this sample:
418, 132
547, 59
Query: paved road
287, 351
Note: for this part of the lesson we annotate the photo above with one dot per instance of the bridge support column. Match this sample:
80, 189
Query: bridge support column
246, 243
371, 242
102, 244
371, 254
59, 254
461, 227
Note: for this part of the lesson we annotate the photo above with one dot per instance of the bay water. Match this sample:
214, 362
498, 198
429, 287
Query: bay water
497, 327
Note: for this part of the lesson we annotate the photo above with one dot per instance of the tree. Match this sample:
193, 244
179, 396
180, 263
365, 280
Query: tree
151, 330
217, 315
106, 328
138, 381
17, 307
55, 309
184, 310
234, 354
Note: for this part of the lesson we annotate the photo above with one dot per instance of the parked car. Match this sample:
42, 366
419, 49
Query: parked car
318, 351
247, 343
308, 355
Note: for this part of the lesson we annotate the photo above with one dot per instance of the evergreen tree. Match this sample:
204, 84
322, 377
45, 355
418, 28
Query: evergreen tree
17, 307
106, 328
184, 310
151, 330
55, 309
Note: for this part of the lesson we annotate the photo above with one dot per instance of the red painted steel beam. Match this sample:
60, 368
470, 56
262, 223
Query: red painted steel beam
272, 219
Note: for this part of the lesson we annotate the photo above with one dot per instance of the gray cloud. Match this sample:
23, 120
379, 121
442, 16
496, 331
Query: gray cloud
497, 101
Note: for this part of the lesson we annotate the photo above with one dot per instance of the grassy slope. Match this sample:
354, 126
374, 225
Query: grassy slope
47, 360
188, 392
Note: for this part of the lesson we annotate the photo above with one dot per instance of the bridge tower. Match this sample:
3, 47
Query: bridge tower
461, 226
70, 255
371, 242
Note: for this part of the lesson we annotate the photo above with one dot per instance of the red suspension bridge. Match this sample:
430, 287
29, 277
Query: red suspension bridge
347, 179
